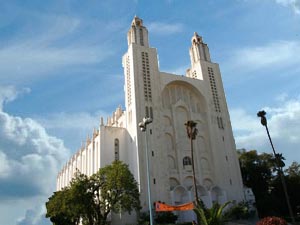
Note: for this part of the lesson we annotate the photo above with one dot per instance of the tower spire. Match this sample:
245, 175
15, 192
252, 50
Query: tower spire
138, 34
199, 50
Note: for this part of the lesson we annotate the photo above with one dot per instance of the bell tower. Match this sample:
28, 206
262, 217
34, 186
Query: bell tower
138, 34
199, 50
142, 93
199, 55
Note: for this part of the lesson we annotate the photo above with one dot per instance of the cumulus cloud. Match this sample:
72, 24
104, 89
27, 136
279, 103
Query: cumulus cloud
29, 158
283, 123
294, 4
34, 216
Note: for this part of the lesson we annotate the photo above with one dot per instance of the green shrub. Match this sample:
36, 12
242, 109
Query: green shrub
160, 218
144, 218
165, 217
240, 211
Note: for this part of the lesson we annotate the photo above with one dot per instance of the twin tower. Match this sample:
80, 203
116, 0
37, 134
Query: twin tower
170, 100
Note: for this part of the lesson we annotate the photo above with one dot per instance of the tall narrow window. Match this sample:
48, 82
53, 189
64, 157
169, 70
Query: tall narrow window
187, 161
116, 149
151, 113
146, 76
220, 123
128, 81
214, 89
141, 37
147, 111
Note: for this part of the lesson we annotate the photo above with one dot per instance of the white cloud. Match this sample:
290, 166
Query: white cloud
73, 128
35, 215
29, 161
241, 121
294, 4
10, 93
21, 61
18, 211
49, 46
4, 167
28, 152
284, 126
282, 97
274, 55
165, 28
30, 158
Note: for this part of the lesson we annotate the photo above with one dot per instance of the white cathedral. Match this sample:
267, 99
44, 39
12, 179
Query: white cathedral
170, 100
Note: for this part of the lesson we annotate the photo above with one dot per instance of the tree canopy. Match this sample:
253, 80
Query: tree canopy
91, 199
260, 173
60, 210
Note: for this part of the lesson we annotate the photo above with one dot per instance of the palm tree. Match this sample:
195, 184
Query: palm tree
192, 132
279, 163
212, 216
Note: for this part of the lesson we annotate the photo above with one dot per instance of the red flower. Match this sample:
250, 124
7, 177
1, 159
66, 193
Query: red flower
271, 220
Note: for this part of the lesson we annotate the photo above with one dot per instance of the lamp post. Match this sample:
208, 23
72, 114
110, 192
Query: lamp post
143, 127
192, 133
279, 163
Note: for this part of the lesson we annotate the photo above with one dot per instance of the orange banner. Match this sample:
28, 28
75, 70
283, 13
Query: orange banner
160, 207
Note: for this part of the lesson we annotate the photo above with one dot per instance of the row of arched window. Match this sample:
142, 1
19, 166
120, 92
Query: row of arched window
187, 161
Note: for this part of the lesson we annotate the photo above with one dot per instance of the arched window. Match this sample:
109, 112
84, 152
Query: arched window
187, 161
116, 149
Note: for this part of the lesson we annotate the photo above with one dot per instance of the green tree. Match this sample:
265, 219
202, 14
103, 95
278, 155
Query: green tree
292, 179
90, 199
59, 209
293, 185
293, 170
257, 173
115, 189
82, 198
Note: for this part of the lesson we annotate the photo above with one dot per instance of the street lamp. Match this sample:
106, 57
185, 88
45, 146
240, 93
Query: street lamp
192, 133
143, 127
279, 163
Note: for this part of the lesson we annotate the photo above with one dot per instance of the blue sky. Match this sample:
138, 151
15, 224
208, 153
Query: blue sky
60, 70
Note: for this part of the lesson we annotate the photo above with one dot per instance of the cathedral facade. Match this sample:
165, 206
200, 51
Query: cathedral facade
170, 100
